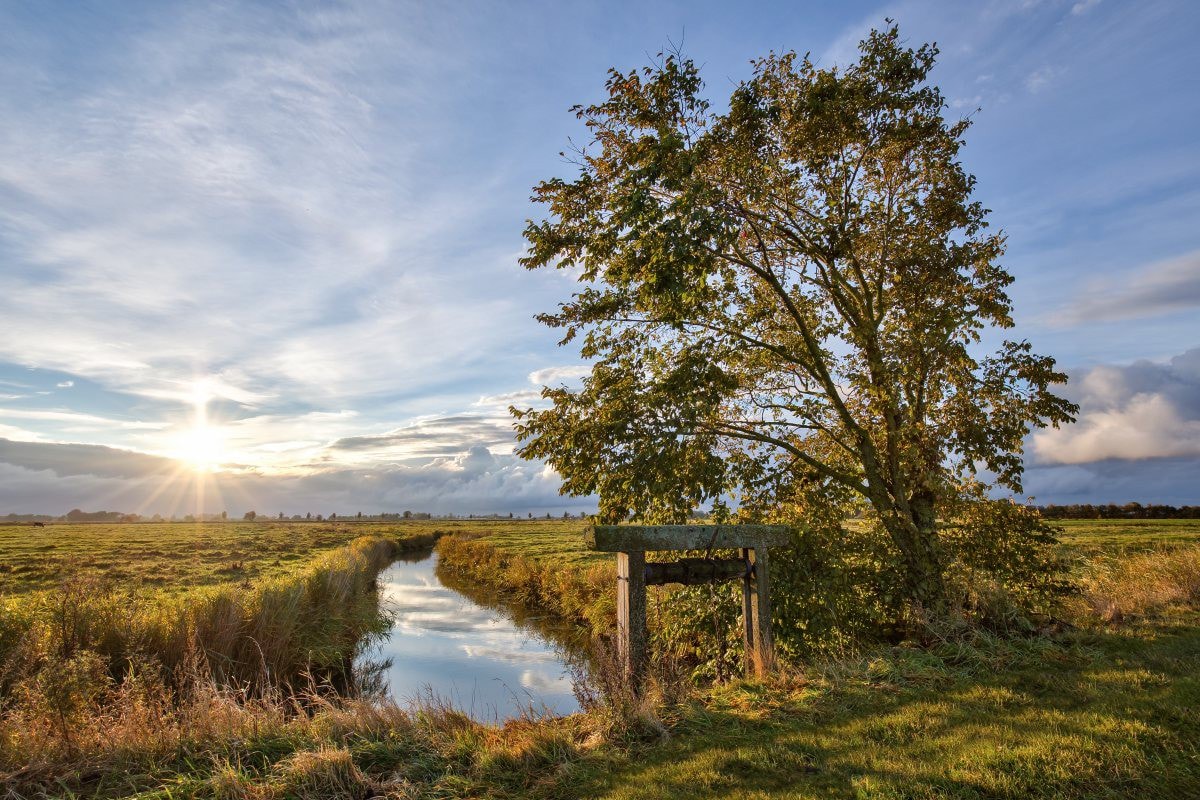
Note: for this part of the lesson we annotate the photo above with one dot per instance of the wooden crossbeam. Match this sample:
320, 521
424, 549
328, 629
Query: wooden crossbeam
696, 571
624, 538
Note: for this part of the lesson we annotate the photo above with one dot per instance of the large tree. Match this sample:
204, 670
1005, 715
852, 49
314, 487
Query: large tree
787, 297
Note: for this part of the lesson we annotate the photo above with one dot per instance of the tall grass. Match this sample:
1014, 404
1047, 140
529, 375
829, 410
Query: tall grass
1137, 585
110, 694
221, 743
263, 635
91, 658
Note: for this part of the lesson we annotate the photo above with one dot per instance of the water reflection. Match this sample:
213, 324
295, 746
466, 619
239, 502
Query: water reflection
455, 643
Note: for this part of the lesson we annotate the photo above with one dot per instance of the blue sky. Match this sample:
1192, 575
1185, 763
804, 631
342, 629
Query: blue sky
279, 241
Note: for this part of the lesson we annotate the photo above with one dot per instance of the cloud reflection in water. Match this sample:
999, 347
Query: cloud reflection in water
442, 642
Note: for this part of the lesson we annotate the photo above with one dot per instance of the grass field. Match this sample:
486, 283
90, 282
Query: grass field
1107, 710
1113, 536
1104, 711
178, 557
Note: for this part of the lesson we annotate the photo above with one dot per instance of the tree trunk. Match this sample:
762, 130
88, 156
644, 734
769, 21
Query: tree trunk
916, 537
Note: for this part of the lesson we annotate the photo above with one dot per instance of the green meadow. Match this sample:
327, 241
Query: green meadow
1103, 704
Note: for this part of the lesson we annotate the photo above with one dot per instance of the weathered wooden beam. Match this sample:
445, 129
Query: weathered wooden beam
627, 538
695, 571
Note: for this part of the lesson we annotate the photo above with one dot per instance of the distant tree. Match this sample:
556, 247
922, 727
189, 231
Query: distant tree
249, 516
319, 518
408, 515
333, 516
224, 515
783, 302
360, 515
281, 515
308, 515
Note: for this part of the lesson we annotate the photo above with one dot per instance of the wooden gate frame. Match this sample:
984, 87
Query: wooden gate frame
630, 543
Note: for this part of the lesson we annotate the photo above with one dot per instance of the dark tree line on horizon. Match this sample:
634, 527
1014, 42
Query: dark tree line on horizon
1114, 511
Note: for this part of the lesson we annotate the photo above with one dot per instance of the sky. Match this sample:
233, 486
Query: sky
264, 255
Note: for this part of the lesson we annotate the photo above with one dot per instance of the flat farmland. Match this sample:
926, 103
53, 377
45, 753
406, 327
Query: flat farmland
176, 557
1117, 536
167, 556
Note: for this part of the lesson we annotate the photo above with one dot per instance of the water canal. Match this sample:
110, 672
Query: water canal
456, 643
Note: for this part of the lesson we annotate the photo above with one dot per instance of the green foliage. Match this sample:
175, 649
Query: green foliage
783, 300
1005, 564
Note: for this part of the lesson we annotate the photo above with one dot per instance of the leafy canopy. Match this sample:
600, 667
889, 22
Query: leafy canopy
782, 300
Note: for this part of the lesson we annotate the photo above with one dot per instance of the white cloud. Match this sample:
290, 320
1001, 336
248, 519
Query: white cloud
51, 478
76, 421
556, 375
65, 384
1141, 411
1084, 6
1041, 78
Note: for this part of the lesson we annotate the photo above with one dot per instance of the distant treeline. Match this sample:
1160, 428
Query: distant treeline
1114, 511
77, 515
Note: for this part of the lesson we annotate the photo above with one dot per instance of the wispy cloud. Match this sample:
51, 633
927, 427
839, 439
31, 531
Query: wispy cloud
1041, 78
1162, 287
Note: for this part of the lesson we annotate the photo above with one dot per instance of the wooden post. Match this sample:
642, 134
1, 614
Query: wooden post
748, 637
756, 613
630, 543
631, 615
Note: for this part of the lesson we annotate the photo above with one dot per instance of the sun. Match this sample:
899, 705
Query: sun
202, 445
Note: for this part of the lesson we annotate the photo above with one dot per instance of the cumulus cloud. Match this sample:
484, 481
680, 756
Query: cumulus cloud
1142, 411
1162, 287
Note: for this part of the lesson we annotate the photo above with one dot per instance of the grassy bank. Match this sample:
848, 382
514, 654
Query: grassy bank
82, 664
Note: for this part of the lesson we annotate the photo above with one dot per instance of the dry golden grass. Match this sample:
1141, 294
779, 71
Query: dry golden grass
1142, 584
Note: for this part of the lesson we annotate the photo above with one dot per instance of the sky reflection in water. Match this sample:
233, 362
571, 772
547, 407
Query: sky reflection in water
479, 659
